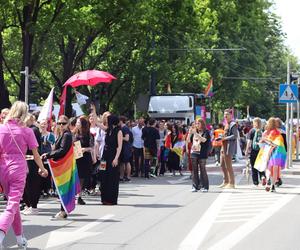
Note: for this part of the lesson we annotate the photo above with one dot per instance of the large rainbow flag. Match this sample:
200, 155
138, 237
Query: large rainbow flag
65, 177
270, 156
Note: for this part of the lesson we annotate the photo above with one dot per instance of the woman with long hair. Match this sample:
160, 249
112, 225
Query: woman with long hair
200, 139
277, 160
84, 164
110, 162
15, 139
172, 138
62, 146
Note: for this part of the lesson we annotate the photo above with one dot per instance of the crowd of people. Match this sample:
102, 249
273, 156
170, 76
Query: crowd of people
115, 149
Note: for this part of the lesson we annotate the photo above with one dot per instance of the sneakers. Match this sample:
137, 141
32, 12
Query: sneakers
23, 243
60, 216
204, 190
194, 190
31, 211
80, 201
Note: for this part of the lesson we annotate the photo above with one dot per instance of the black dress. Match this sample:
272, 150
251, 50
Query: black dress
84, 164
110, 176
173, 159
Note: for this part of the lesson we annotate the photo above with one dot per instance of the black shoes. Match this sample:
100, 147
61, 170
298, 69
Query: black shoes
80, 201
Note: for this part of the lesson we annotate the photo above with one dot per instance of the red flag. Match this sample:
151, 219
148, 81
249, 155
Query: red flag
62, 102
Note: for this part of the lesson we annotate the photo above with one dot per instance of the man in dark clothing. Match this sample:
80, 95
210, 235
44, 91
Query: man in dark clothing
126, 152
151, 137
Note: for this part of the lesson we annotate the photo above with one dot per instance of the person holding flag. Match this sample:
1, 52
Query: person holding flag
63, 168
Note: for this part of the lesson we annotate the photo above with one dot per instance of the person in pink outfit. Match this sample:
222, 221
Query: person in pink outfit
15, 139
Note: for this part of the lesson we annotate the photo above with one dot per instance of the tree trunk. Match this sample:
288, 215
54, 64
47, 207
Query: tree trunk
4, 95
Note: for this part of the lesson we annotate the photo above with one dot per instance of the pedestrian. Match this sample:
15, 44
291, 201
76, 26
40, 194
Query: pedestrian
229, 149
255, 135
217, 143
277, 159
84, 163
110, 162
15, 139
62, 146
151, 137
32, 190
138, 145
200, 139
173, 158
126, 153
94, 131
162, 136
47, 142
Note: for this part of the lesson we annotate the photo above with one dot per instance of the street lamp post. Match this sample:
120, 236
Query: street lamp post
26, 74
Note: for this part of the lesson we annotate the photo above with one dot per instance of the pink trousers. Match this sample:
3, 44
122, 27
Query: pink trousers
12, 179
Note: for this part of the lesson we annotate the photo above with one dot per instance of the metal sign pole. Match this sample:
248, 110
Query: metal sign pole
297, 128
287, 121
291, 136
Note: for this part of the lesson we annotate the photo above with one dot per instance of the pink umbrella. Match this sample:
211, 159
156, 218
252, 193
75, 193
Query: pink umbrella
89, 77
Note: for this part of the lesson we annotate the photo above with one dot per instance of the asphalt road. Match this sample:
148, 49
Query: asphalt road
162, 213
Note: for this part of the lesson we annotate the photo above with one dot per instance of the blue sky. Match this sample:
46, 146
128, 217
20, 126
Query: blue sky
289, 11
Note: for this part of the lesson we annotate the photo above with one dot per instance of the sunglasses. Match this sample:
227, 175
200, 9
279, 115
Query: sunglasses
62, 123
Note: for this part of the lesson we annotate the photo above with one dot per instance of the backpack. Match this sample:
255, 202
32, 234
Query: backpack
256, 139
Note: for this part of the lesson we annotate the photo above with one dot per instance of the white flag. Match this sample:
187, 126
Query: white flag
46, 111
81, 99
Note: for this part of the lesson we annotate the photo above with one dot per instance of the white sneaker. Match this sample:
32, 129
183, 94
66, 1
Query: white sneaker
60, 216
31, 211
204, 190
194, 190
25, 209
23, 244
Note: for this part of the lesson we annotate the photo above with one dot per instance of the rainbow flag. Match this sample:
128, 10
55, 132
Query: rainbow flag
65, 177
178, 148
209, 89
270, 156
278, 157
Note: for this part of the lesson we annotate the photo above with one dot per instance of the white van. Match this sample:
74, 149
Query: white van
174, 106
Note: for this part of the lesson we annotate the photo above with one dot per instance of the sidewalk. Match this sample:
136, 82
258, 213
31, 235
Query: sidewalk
295, 170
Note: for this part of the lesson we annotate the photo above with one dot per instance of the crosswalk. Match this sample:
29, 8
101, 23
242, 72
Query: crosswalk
2, 203
246, 205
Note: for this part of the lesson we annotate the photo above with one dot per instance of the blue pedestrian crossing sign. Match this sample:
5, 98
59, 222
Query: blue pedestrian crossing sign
288, 93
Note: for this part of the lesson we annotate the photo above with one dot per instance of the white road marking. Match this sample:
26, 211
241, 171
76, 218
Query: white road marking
180, 180
230, 221
241, 232
57, 238
194, 239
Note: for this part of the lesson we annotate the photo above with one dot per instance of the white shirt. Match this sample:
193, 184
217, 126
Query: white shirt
138, 142
100, 138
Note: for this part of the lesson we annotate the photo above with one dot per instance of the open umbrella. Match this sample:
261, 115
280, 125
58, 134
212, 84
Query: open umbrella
90, 78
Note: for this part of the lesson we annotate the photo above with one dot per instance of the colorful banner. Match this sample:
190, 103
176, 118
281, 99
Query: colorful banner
65, 176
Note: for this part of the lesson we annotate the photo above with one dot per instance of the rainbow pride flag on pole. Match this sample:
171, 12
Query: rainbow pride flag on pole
65, 177
209, 89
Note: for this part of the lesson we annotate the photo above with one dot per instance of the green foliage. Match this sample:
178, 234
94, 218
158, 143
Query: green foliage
175, 41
